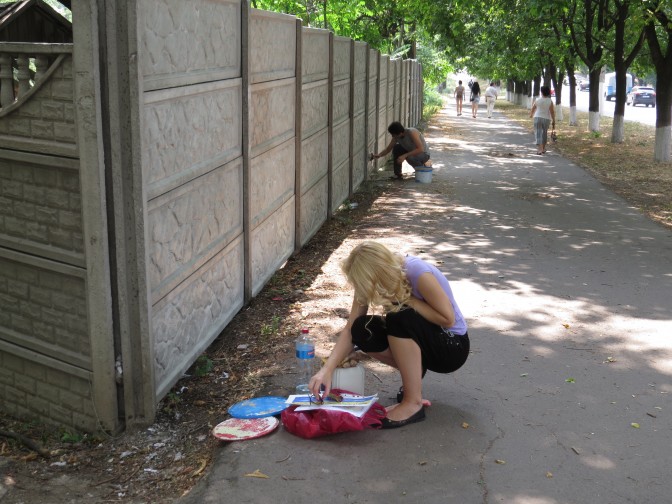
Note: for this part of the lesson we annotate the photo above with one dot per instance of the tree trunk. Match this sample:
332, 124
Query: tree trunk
662, 150
617, 129
572, 96
663, 63
572, 115
663, 116
594, 99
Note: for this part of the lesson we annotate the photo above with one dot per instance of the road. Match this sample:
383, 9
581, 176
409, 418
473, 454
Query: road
640, 113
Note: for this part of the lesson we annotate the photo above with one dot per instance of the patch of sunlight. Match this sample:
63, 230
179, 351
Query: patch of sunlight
548, 319
597, 462
524, 499
468, 210
543, 351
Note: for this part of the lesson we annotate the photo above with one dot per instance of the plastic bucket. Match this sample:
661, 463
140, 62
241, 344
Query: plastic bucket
350, 379
423, 174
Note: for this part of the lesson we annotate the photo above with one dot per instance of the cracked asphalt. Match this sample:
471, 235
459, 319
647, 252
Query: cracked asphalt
565, 398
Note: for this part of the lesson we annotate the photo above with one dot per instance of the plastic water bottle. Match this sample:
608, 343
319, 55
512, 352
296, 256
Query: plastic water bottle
305, 360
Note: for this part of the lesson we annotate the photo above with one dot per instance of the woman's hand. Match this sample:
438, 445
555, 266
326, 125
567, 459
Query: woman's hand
321, 379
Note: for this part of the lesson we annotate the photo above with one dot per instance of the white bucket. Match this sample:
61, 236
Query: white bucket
350, 379
423, 174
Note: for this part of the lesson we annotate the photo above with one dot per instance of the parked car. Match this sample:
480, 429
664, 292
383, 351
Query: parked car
583, 85
641, 94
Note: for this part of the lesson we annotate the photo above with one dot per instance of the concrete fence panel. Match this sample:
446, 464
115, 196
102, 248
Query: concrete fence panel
272, 118
372, 102
359, 104
383, 72
313, 135
190, 62
340, 121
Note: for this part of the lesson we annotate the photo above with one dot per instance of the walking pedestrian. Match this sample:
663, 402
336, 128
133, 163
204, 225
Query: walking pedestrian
475, 98
543, 112
459, 97
490, 98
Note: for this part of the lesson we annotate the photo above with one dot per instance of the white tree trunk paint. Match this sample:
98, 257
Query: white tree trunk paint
617, 132
572, 115
662, 150
594, 121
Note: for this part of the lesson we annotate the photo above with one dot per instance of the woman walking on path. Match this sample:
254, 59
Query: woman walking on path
544, 115
475, 98
422, 327
459, 97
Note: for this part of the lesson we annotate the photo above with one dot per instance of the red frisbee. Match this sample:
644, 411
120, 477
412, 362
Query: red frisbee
239, 429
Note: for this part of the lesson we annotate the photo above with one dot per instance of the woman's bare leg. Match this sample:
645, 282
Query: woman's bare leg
387, 357
406, 354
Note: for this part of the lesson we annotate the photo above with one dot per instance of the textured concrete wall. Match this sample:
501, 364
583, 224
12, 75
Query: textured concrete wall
313, 134
31, 387
272, 143
46, 122
190, 60
340, 150
359, 104
372, 106
383, 71
45, 349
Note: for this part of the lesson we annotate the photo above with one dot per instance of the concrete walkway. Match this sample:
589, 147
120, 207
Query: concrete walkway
566, 395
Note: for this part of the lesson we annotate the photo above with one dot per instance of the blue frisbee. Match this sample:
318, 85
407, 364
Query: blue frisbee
259, 407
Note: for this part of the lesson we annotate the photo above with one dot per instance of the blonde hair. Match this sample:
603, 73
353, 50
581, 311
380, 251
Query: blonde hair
377, 275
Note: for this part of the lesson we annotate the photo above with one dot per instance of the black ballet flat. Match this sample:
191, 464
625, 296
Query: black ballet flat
395, 424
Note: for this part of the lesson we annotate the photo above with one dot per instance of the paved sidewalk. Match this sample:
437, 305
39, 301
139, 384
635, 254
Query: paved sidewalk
567, 292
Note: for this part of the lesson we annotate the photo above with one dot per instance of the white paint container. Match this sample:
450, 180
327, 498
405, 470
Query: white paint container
423, 174
350, 379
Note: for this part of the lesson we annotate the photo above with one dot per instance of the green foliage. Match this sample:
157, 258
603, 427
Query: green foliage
71, 437
171, 401
272, 328
203, 366
432, 103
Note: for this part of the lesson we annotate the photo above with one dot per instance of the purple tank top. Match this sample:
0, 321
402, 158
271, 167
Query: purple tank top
415, 267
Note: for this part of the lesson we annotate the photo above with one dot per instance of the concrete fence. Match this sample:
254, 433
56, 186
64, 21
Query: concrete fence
153, 177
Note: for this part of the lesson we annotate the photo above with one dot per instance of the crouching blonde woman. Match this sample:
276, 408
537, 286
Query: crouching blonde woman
421, 329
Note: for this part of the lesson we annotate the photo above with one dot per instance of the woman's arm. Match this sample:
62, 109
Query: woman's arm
534, 108
436, 307
342, 349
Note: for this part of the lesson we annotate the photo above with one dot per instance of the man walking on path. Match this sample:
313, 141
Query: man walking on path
490, 98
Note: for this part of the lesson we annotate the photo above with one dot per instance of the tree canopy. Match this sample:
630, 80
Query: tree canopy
513, 40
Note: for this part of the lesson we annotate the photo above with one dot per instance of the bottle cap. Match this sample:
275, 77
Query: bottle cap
304, 331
